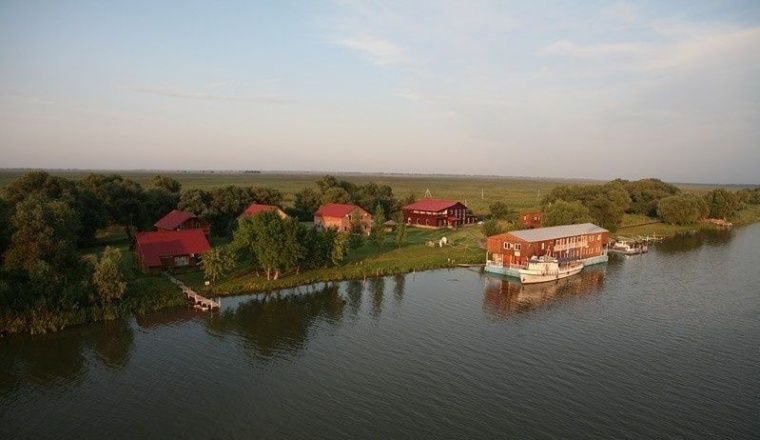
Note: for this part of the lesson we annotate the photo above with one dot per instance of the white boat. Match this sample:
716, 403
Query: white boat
545, 268
624, 248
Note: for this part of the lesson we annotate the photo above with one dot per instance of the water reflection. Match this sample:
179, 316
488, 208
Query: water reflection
399, 287
691, 241
60, 357
276, 323
377, 290
504, 296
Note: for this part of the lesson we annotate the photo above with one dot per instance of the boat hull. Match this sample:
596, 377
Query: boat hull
530, 277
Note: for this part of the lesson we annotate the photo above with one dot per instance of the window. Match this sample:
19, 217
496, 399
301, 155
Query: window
507, 245
517, 246
542, 245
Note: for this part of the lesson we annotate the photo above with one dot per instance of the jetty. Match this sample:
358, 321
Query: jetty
200, 302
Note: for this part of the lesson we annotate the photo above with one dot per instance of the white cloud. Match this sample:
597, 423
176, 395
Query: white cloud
171, 93
378, 51
568, 48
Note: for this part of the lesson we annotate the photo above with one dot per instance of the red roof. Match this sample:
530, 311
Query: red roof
174, 219
336, 210
434, 205
156, 244
256, 208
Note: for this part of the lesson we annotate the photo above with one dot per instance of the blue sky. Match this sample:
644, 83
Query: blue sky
548, 89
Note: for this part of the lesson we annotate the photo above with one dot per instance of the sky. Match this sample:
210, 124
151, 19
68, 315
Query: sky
590, 89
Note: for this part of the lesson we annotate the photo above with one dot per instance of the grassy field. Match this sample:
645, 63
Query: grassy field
478, 191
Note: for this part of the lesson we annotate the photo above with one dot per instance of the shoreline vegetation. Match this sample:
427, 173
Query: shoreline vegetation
106, 207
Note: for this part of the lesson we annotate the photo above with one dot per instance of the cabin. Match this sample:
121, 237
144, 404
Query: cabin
257, 208
507, 252
531, 219
158, 251
437, 213
341, 217
178, 220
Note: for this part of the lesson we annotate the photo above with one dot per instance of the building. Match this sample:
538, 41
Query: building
435, 213
179, 220
257, 208
157, 251
531, 219
341, 217
510, 251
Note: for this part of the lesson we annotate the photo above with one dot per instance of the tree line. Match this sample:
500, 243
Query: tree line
605, 204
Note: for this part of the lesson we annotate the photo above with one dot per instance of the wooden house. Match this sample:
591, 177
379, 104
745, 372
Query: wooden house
158, 251
511, 250
178, 220
436, 213
531, 219
341, 217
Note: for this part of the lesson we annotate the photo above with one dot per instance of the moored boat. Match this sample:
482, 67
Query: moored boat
543, 269
625, 248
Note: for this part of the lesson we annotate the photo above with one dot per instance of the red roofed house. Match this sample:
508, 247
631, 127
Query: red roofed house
157, 251
435, 213
531, 219
256, 208
340, 216
178, 220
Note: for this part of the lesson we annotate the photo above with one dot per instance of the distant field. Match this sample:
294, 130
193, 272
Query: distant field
478, 191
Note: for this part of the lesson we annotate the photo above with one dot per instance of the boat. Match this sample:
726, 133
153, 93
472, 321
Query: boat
545, 268
625, 248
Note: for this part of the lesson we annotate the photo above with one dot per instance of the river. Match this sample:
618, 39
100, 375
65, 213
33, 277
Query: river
662, 345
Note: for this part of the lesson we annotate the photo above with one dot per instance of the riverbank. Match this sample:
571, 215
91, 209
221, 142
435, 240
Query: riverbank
367, 261
147, 294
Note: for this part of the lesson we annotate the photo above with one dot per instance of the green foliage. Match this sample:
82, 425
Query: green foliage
499, 210
338, 251
722, 203
606, 203
221, 206
368, 195
377, 233
336, 195
108, 278
6, 210
166, 183
682, 209
306, 203
217, 262
44, 231
492, 227
276, 245
400, 237
561, 212
646, 193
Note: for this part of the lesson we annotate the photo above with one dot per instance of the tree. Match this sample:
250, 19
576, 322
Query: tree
400, 231
336, 195
606, 204
338, 250
492, 227
681, 209
722, 203
561, 212
370, 195
108, 277
166, 183
646, 194
5, 225
377, 234
306, 203
216, 263
44, 231
499, 210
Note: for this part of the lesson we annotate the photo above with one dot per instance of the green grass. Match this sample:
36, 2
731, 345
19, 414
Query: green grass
366, 261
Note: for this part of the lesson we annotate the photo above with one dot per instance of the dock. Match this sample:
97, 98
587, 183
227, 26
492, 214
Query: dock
200, 302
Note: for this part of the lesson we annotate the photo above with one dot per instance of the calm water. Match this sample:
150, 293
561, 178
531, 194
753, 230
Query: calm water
663, 345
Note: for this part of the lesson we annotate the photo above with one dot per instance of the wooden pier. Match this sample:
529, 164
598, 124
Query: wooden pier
199, 302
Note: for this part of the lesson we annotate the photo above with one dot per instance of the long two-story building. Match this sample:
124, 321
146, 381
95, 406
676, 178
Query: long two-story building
508, 252
436, 213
